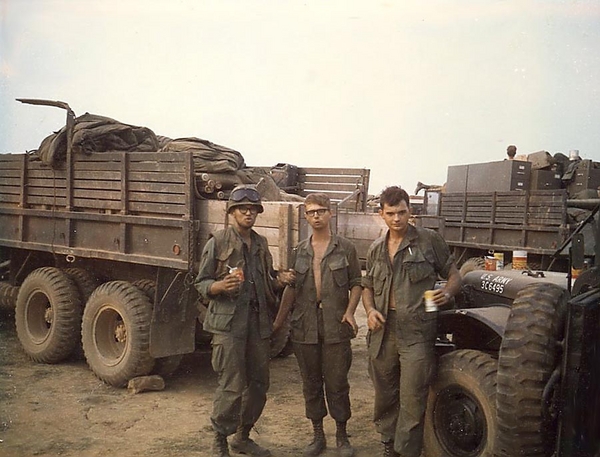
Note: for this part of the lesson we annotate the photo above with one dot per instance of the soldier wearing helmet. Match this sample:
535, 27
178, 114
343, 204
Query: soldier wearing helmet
236, 279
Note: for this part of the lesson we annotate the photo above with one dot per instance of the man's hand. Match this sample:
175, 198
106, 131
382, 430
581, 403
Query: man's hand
229, 284
286, 277
375, 320
441, 297
349, 319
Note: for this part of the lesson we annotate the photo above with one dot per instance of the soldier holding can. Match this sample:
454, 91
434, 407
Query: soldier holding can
235, 275
402, 266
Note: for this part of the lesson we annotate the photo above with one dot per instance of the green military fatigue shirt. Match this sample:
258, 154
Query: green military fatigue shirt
340, 272
228, 313
422, 256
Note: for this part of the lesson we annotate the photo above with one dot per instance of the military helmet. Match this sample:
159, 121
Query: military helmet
243, 195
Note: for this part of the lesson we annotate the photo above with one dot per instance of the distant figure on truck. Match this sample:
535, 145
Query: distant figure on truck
511, 152
323, 302
401, 266
236, 278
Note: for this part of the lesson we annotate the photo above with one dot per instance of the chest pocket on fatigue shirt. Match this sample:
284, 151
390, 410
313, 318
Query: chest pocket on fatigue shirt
339, 270
418, 267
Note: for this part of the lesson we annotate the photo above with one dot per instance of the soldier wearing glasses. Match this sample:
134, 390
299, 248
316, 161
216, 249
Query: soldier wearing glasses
235, 274
323, 301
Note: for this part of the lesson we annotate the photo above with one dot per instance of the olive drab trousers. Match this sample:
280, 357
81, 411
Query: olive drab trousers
241, 393
401, 374
325, 364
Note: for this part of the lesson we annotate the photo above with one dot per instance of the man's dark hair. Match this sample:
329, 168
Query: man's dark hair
392, 196
318, 198
511, 151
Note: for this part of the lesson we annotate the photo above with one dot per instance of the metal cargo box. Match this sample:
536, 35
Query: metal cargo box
545, 180
503, 176
457, 179
587, 176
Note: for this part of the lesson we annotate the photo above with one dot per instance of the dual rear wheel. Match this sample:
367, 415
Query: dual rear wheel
58, 312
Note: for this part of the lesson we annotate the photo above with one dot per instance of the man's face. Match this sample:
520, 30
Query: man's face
317, 216
245, 216
396, 217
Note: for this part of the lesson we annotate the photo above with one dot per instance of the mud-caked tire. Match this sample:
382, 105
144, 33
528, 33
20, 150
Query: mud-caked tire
116, 333
48, 315
85, 281
460, 420
529, 353
8, 295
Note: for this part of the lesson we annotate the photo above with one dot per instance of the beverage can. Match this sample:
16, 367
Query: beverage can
239, 272
490, 263
499, 256
430, 305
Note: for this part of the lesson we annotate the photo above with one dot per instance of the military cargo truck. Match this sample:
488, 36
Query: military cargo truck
100, 250
515, 205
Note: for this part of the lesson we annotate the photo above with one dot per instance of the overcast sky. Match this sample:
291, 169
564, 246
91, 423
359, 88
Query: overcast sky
403, 88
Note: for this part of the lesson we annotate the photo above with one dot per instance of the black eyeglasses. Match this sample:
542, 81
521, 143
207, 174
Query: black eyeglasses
245, 193
313, 212
247, 209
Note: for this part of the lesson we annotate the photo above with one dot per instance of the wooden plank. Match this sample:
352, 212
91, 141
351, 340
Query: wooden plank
158, 167
95, 166
9, 174
157, 197
344, 179
328, 187
97, 175
12, 189
158, 208
10, 198
303, 171
49, 201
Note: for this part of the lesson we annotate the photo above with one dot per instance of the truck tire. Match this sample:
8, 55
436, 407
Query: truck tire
116, 333
472, 264
85, 282
163, 366
48, 315
527, 358
8, 295
460, 420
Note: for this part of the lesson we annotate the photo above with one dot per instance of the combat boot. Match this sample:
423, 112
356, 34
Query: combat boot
220, 447
344, 447
243, 444
388, 449
318, 444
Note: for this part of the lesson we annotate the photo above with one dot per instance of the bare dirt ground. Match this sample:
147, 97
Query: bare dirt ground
64, 410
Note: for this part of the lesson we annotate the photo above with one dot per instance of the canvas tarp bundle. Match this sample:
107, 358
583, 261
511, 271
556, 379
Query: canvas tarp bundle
208, 157
92, 133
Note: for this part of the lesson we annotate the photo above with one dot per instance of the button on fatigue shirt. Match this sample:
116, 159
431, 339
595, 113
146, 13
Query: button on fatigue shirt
340, 271
420, 258
228, 313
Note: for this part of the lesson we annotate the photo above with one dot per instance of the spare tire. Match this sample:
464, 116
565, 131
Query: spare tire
528, 355
472, 264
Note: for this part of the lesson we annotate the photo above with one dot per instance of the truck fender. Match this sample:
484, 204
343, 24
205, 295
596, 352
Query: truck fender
475, 328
